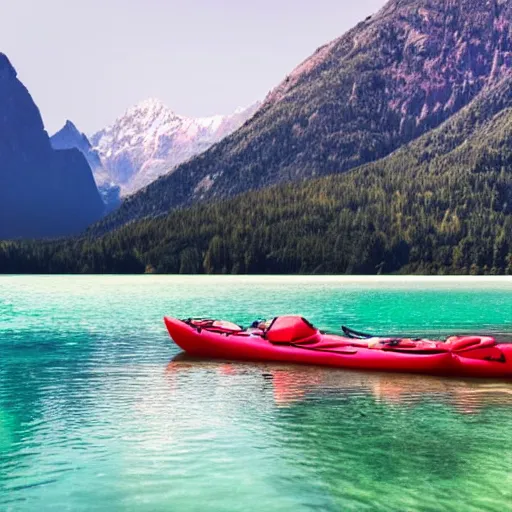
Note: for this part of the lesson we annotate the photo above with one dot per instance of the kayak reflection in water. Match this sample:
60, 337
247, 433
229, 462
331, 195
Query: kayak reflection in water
291, 384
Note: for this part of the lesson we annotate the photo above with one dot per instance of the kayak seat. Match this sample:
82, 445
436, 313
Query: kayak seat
219, 326
291, 329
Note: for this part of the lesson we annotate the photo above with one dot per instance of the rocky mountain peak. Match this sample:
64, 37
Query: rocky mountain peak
6, 68
148, 110
69, 126
150, 139
431, 53
68, 137
44, 192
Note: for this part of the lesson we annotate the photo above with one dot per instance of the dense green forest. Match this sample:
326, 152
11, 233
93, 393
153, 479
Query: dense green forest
342, 224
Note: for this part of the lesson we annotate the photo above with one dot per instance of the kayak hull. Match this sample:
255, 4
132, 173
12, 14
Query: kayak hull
339, 352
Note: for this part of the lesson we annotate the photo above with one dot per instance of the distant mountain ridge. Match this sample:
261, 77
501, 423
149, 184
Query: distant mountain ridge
149, 140
69, 137
43, 192
387, 81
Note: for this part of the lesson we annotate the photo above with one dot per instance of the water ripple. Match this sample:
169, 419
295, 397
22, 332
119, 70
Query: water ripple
96, 412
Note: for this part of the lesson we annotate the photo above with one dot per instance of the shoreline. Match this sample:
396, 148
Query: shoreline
501, 281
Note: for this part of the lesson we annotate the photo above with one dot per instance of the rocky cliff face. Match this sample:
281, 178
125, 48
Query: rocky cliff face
390, 79
425, 58
43, 192
150, 140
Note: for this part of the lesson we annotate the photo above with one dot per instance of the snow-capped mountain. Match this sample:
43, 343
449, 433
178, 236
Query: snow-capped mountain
150, 140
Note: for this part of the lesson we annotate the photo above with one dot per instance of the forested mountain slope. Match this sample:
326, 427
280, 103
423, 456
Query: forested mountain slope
387, 81
441, 204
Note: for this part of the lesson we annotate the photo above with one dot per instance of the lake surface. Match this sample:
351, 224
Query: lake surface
98, 411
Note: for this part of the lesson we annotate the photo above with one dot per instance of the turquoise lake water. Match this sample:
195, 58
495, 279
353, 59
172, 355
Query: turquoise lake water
98, 411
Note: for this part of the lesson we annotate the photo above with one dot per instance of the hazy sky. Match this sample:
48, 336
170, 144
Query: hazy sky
89, 60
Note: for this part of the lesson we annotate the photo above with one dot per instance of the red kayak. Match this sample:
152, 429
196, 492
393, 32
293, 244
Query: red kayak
293, 339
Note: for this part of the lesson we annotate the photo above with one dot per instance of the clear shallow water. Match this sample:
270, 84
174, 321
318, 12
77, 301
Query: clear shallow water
99, 412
